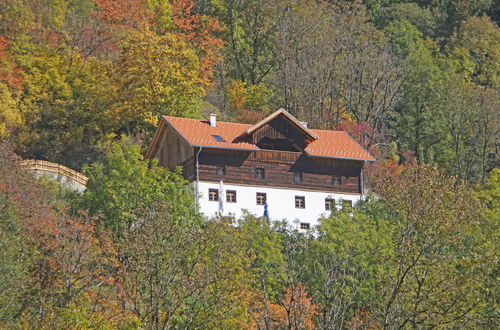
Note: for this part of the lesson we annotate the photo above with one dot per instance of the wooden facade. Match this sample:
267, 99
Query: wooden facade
280, 170
280, 134
172, 150
282, 158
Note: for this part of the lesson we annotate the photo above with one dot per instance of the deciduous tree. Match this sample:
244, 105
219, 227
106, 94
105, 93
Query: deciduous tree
156, 75
122, 188
429, 281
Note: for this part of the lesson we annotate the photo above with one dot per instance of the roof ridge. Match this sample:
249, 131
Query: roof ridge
330, 143
205, 120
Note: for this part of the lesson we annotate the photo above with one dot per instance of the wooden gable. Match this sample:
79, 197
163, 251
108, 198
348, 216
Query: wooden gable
280, 131
280, 134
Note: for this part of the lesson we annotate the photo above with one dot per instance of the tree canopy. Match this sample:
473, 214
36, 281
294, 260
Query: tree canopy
415, 82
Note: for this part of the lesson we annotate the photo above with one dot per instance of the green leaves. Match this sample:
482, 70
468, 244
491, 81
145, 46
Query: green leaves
122, 189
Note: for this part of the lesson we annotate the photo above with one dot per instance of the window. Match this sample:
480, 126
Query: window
221, 170
261, 198
329, 204
260, 173
218, 138
213, 195
231, 196
300, 202
336, 180
346, 204
298, 176
305, 225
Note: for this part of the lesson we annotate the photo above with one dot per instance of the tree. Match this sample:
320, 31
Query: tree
249, 103
16, 252
74, 259
429, 280
477, 39
199, 32
471, 121
10, 116
344, 271
295, 310
10, 73
121, 189
332, 61
267, 268
156, 75
65, 99
419, 123
249, 35
10, 81
50, 261
180, 273
123, 14
427, 20
485, 251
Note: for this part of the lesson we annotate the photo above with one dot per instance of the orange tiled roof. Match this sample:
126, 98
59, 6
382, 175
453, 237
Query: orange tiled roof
330, 144
337, 144
200, 133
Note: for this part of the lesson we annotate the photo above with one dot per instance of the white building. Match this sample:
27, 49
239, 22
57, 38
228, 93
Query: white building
300, 173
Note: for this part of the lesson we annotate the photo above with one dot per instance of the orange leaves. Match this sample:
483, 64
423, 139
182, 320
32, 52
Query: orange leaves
71, 256
299, 307
123, 13
72, 259
199, 32
295, 310
9, 71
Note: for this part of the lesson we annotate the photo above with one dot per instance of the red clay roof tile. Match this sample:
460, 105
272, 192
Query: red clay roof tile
330, 144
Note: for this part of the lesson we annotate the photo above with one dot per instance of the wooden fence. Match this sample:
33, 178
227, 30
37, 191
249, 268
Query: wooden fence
45, 166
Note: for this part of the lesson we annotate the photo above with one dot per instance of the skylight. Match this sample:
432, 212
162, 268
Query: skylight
219, 138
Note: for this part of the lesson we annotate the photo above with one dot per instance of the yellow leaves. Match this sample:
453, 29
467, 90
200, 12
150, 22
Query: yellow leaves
237, 94
480, 38
157, 75
10, 115
151, 119
251, 103
345, 116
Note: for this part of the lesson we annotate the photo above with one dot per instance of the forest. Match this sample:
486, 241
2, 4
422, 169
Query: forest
83, 83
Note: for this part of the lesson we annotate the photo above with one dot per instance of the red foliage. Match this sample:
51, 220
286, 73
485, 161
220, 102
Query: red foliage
72, 256
362, 132
363, 319
300, 308
10, 73
249, 116
122, 13
199, 32
295, 311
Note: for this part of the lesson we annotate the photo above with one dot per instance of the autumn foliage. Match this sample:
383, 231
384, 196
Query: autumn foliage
201, 33
10, 72
123, 13
295, 310
83, 82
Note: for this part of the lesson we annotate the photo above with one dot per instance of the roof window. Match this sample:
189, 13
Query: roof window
219, 138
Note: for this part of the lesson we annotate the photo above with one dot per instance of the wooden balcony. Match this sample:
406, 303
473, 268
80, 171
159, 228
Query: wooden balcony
282, 157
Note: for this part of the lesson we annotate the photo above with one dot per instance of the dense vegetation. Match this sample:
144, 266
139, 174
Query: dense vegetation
82, 83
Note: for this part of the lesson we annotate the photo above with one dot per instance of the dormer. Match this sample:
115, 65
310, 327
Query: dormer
280, 131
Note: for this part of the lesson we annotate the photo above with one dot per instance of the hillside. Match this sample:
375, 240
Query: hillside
83, 83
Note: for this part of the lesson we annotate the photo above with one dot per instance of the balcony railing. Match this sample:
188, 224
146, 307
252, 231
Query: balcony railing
276, 156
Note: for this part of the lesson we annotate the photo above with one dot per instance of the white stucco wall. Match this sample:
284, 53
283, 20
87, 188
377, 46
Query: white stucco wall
281, 202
